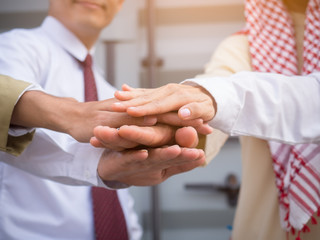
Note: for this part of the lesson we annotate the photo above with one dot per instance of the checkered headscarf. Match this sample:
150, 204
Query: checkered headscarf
273, 49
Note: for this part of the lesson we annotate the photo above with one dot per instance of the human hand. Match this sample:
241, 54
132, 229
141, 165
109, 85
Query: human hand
148, 167
172, 118
191, 102
82, 118
39, 109
128, 137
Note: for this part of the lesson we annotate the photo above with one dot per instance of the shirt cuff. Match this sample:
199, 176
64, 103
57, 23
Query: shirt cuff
111, 184
224, 94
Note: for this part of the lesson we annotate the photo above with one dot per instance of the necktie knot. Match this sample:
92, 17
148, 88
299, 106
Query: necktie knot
87, 61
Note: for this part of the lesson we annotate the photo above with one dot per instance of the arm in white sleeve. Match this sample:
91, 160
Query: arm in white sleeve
267, 106
71, 163
51, 155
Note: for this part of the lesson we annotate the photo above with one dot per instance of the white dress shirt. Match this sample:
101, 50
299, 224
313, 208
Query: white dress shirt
267, 106
31, 207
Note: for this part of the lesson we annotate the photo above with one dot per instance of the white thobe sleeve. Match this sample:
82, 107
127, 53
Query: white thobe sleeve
267, 106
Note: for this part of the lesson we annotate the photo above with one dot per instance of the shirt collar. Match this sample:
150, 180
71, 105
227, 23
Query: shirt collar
65, 38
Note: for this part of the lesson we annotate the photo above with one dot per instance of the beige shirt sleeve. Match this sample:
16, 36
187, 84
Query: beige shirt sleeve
11, 90
230, 57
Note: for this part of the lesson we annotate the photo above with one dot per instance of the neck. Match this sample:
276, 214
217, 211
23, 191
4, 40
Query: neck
88, 38
296, 5
88, 35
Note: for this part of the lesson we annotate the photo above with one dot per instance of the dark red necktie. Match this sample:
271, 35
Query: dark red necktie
109, 219
90, 89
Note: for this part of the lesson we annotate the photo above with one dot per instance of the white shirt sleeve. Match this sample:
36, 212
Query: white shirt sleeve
58, 157
51, 155
265, 105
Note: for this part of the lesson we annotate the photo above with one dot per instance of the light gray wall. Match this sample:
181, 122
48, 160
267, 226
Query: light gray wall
23, 6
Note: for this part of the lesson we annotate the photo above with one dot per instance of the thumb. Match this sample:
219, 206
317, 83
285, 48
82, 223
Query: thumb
187, 137
126, 87
196, 110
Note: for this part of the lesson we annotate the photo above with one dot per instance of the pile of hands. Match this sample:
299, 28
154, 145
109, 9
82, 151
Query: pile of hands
150, 135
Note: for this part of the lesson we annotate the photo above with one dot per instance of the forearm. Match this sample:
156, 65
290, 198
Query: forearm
78, 119
268, 106
38, 109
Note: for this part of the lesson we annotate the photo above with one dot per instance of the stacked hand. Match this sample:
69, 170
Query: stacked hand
148, 154
141, 156
191, 102
142, 150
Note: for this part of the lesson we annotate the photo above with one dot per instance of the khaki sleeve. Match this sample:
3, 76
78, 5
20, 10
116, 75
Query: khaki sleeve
10, 91
231, 56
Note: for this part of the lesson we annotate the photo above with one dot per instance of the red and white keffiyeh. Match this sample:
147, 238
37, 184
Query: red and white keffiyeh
273, 49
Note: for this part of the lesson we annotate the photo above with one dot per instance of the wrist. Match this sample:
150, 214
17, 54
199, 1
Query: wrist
31, 104
57, 112
68, 113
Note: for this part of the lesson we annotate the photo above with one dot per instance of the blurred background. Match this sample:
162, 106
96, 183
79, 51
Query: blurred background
149, 44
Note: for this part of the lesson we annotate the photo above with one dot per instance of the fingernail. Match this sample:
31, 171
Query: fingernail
174, 146
185, 112
132, 108
118, 103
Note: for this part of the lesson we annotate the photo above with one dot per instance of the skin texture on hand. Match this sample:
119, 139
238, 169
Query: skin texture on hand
92, 114
191, 102
38, 109
148, 167
172, 118
128, 137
